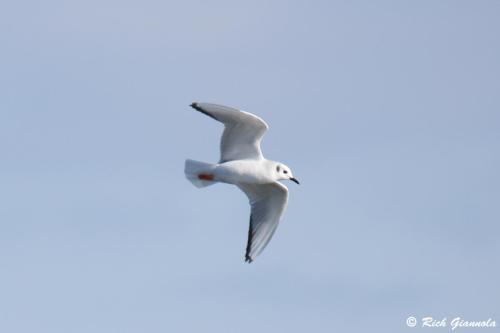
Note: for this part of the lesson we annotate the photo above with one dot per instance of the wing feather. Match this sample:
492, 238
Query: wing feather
243, 131
268, 203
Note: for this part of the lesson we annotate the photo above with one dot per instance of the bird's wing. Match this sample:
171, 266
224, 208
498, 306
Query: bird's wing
268, 202
243, 131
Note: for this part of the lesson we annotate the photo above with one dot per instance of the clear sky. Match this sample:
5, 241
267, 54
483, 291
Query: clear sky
388, 112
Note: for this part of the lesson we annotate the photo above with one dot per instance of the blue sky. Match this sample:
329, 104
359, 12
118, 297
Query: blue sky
387, 112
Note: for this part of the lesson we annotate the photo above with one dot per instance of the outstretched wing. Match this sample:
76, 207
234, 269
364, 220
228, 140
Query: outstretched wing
243, 131
268, 202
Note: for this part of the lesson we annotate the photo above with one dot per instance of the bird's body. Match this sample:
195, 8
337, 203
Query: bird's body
245, 171
242, 164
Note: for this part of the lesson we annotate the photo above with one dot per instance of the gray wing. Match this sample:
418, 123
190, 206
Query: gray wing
242, 135
268, 202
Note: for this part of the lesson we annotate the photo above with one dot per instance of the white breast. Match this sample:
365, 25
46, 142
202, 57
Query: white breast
244, 171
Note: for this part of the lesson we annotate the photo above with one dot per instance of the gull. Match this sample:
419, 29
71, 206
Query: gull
242, 164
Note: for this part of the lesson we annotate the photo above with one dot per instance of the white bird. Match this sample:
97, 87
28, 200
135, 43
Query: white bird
242, 164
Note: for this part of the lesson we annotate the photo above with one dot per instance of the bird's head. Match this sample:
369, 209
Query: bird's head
283, 172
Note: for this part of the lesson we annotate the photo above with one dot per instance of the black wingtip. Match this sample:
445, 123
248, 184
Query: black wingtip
195, 106
248, 259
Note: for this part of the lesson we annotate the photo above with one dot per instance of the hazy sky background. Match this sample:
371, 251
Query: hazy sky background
388, 112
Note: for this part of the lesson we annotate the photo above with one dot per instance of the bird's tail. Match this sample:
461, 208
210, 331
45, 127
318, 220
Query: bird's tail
201, 174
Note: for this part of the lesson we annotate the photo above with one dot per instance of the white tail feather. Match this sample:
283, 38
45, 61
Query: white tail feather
193, 169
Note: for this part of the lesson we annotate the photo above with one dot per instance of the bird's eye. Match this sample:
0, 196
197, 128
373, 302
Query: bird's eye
285, 171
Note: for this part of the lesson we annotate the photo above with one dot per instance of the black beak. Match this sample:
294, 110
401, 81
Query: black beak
295, 180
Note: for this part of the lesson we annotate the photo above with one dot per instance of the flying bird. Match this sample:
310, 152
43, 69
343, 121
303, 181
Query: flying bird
242, 164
